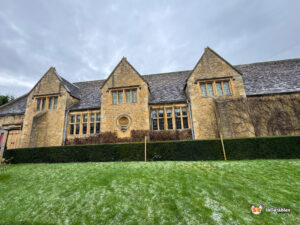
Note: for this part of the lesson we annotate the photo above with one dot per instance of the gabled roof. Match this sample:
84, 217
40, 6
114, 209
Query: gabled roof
262, 78
72, 89
123, 60
217, 55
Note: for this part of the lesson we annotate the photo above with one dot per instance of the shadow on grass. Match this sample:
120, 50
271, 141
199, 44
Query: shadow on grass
4, 177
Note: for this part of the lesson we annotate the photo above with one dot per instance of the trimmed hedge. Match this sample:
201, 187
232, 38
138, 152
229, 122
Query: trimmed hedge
243, 148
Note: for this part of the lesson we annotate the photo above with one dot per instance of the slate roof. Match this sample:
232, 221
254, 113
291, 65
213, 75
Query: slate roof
89, 95
259, 79
15, 107
271, 77
71, 88
167, 87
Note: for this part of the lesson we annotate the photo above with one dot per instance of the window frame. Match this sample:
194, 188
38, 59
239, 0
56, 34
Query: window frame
214, 87
124, 96
88, 119
173, 117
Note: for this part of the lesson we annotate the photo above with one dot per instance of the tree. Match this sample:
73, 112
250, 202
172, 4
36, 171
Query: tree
5, 99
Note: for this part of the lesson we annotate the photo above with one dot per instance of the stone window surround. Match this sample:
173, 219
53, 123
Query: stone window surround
88, 123
47, 99
123, 90
213, 82
165, 107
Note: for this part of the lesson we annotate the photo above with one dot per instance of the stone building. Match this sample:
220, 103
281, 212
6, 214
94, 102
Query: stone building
214, 98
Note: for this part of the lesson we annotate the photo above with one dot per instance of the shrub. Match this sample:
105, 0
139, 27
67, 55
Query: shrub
136, 136
236, 149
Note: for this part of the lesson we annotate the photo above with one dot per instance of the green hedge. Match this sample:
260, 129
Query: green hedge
236, 149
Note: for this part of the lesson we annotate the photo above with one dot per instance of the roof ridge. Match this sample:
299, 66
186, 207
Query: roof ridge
167, 73
273, 61
87, 81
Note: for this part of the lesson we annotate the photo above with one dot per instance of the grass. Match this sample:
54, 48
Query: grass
210, 192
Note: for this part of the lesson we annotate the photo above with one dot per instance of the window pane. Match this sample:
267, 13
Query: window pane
219, 88
134, 96
178, 122
170, 124
85, 118
184, 112
50, 103
55, 103
128, 96
210, 89
114, 98
154, 124
92, 117
161, 113
153, 114
84, 128
120, 97
226, 88
177, 111
92, 128
185, 122
97, 128
72, 119
72, 129
77, 128
38, 104
169, 112
78, 118
98, 117
43, 103
161, 124
203, 90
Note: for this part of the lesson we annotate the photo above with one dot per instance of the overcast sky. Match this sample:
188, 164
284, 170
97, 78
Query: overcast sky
85, 40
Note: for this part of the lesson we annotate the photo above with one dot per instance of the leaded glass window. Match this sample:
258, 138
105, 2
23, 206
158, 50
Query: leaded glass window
120, 97
114, 97
226, 88
127, 96
219, 88
134, 100
50, 102
203, 90
210, 89
55, 102
38, 104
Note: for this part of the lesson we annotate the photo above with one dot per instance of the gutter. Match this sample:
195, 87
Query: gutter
191, 118
65, 127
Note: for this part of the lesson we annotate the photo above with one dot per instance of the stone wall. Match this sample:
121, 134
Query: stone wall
124, 77
48, 129
204, 109
12, 119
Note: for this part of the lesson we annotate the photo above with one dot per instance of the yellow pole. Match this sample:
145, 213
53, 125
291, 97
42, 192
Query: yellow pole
145, 149
223, 146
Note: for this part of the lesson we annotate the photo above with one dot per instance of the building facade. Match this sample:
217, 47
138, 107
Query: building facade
213, 99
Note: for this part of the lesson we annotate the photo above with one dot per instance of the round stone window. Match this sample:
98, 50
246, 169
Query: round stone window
123, 122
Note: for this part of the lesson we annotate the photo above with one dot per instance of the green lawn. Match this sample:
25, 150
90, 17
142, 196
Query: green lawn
210, 192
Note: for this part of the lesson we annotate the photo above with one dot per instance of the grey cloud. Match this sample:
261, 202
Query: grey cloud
84, 40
